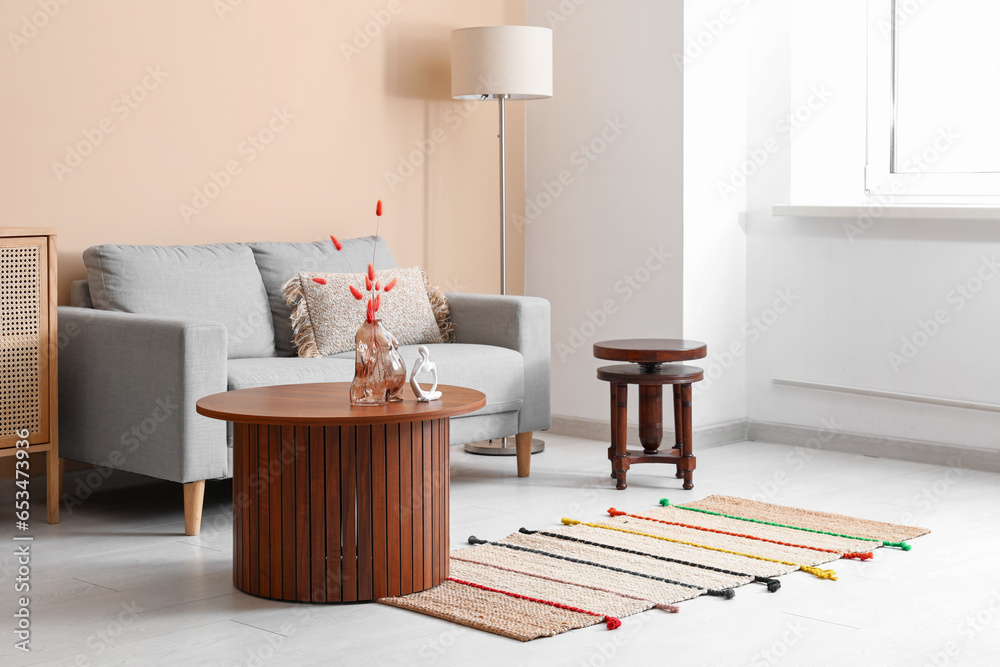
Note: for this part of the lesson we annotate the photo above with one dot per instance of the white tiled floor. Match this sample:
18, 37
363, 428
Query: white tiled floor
117, 582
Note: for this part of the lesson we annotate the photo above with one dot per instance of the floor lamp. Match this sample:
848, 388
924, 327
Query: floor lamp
509, 62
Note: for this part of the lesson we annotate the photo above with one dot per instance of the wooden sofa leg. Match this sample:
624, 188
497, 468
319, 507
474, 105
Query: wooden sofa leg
194, 497
523, 444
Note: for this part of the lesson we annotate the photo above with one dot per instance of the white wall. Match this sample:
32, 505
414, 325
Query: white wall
715, 140
810, 298
858, 296
594, 241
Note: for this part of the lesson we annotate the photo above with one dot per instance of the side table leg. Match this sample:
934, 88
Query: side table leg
688, 457
650, 417
612, 448
619, 433
678, 426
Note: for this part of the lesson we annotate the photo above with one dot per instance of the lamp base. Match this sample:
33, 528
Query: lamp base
499, 447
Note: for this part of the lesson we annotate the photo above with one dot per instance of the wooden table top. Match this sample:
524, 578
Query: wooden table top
328, 403
650, 350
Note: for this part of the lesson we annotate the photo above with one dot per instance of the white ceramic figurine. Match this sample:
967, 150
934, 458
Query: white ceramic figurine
424, 365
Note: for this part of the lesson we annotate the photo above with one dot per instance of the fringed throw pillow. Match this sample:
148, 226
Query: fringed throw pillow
326, 317
442, 311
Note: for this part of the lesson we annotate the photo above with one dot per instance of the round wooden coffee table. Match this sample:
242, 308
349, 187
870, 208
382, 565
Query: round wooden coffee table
652, 365
336, 503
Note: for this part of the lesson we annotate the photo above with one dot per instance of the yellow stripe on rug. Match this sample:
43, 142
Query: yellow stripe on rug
815, 571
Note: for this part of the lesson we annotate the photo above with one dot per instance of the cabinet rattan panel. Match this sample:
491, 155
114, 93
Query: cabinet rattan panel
21, 399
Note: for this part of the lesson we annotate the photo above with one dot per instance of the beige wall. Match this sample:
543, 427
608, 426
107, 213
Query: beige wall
360, 106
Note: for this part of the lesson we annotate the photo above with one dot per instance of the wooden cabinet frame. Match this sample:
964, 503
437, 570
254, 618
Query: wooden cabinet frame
43, 436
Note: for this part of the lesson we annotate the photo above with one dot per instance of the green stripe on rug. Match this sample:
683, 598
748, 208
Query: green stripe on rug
902, 545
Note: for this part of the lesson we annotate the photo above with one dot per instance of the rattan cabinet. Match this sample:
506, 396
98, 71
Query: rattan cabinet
28, 357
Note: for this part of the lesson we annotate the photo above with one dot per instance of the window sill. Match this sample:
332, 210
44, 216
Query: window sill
893, 211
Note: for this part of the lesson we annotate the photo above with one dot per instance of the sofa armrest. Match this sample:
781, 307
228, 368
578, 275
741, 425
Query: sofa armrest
127, 391
518, 323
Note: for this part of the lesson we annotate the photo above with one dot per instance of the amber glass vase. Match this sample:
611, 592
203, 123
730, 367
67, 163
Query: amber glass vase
379, 370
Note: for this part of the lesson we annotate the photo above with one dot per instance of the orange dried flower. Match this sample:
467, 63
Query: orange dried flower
392, 283
336, 243
378, 208
368, 283
378, 285
357, 293
321, 281
378, 302
371, 273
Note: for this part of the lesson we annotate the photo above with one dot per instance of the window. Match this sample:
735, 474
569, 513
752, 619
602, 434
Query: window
934, 100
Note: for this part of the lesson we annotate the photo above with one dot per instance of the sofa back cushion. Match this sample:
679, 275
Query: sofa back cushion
280, 261
218, 282
79, 294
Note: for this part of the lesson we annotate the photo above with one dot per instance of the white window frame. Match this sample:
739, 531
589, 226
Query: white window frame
904, 181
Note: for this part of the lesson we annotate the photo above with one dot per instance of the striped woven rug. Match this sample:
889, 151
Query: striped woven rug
542, 582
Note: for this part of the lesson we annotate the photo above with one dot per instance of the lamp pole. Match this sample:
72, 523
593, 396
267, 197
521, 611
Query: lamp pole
503, 199
517, 61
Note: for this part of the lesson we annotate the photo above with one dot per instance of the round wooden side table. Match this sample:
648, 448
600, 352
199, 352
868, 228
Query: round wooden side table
652, 365
337, 503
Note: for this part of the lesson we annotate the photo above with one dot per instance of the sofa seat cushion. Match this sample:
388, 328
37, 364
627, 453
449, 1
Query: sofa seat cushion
496, 371
264, 372
280, 261
217, 283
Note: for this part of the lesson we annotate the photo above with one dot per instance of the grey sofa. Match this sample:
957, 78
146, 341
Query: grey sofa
155, 328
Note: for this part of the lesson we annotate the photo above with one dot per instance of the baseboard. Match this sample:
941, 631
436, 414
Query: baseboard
918, 451
724, 433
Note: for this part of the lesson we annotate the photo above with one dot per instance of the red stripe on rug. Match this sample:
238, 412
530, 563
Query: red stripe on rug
612, 622
857, 556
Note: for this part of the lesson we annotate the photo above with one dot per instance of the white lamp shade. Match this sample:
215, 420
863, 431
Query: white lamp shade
508, 60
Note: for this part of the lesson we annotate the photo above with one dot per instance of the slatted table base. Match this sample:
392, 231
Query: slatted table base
340, 513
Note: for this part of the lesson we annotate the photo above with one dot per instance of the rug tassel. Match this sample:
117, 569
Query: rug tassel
613, 623
902, 545
613, 512
672, 608
859, 556
816, 572
664, 502
570, 522
475, 540
725, 593
772, 584
525, 531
